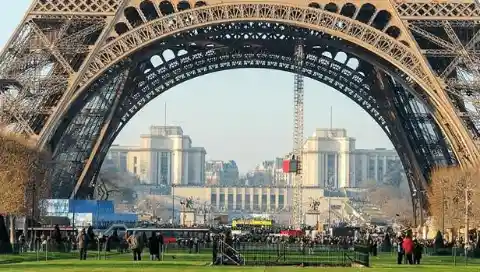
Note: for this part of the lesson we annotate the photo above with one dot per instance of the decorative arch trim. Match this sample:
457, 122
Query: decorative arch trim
406, 59
350, 82
371, 39
327, 70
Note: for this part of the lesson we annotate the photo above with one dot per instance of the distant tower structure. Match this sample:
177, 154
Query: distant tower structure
294, 164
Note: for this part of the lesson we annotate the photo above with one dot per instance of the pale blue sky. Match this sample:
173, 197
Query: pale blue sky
245, 115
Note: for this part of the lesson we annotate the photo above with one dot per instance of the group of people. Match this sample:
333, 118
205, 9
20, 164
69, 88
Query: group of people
136, 242
83, 239
409, 250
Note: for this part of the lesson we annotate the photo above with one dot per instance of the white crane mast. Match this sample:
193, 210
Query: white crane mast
298, 141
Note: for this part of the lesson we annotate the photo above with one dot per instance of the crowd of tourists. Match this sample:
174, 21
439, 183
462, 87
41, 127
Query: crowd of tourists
136, 243
305, 240
408, 248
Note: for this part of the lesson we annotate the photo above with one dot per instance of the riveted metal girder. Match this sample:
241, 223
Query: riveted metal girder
380, 40
322, 62
63, 49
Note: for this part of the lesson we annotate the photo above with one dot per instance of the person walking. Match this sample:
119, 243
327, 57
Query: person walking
417, 252
161, 245
22, 243
215, 250
135, 242
400, 252
82, 244
407, 245
154, 247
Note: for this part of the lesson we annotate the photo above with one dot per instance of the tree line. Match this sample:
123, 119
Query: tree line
454, 197
23, 182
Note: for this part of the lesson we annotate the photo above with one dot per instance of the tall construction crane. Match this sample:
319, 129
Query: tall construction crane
294, 164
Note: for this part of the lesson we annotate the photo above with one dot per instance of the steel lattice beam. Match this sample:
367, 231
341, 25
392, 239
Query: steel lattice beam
167, 76
82, 41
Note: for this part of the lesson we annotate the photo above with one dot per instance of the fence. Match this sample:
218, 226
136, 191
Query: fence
294, 254
432, 251
51, 251
445, 256
251, 253
228, 255
361, 255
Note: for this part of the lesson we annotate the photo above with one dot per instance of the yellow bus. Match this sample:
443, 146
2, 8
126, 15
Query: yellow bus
252, 222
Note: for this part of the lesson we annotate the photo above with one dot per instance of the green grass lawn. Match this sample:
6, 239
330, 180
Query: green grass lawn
185, 262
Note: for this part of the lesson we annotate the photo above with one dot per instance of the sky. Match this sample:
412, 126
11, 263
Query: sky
244, 115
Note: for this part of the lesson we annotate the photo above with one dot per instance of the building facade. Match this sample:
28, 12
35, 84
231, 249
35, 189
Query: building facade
248, 198
327, 158
331, 160
117, 157
376, 165
270, 202
268, 173
165, 156
223, 173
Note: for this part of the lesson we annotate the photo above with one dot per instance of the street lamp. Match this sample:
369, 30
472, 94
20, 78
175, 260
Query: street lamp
418, 196
205, 211
468, 190
32, 236
329, 209
443, 212
329, 186
173, 203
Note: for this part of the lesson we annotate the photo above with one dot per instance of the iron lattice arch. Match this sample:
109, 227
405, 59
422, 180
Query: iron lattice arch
94, 50
368, 28
120, 93
374, 28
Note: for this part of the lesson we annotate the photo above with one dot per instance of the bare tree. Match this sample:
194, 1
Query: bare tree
394, 201
442, 195
400, 209
23, 170
380, 195
454, 197
155, 206
115, 185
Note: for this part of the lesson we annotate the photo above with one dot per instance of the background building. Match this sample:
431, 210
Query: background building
267, 173
331, 160
327, 158
223, 173
117, 157
380, 165
272, 202
331, 163
165, 156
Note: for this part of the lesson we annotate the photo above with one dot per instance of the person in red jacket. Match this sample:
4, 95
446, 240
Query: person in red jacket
408, 246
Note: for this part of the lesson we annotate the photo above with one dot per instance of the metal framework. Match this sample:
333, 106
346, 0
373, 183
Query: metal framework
80, 69
321, 64
298, 141
448, 38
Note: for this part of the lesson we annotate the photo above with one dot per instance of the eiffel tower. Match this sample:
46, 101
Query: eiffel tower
75, 71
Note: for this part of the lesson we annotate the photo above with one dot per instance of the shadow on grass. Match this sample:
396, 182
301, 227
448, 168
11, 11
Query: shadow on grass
388, 261
30, 259
41, 257
185, 261
90, 265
